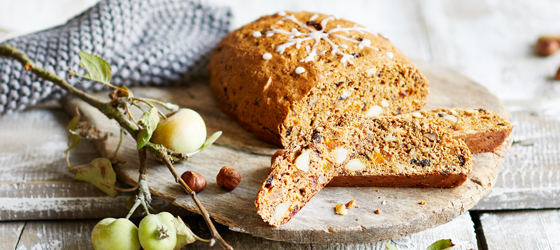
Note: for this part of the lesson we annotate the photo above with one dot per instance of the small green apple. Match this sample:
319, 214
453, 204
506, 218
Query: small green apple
183, 131
115, 234
157, 232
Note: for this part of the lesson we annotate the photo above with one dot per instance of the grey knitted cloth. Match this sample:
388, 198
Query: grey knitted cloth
146, 42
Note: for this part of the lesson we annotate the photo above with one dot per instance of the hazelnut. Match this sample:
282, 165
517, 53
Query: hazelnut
275, 155
547, 46
194, 180
228, 178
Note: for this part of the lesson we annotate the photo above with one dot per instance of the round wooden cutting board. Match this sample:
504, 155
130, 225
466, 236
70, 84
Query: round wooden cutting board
401, 211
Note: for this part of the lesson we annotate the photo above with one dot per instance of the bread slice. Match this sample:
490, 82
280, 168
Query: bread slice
481, 129
282, 73
408, 152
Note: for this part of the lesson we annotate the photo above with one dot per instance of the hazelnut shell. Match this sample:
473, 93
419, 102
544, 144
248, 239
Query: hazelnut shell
228, 178
194, 180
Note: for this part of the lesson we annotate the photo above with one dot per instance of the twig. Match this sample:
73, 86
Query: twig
203, 211
161, 153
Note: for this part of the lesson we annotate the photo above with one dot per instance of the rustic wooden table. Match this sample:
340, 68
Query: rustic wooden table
491, 42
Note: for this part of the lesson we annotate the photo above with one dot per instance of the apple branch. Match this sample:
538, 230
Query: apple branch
112, 111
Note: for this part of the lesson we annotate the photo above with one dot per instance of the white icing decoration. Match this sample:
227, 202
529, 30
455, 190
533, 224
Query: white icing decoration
257, 34
300, 70
267, 56
296, 37
389, 54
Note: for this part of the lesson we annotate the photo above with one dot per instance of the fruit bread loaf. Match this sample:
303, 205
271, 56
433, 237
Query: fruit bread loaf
407, 152
284, 72
482, 130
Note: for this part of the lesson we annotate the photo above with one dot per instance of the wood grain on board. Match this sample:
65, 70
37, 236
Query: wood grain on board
35, 183
76, 235
402, 214
532, 229
57, 235
9, 233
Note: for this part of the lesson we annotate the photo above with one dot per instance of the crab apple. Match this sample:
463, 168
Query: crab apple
183, 131
115, 234
158, 232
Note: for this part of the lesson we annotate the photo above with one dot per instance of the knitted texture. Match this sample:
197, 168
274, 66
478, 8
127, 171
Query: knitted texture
146, 42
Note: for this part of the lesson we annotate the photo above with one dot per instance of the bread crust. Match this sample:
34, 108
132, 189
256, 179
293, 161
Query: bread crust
433, 180
267, 96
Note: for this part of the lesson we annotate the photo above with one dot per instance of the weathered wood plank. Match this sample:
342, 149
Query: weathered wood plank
530, 175
57, 235
9, 233
537, 229
76, 235
35, 184
492, 43
460, 231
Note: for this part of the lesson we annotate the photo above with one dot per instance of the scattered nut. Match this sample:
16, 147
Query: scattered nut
341, 209
275, 155
390, 138
374, 111
422, 203
383, 202
378, 211
354, 165
431, 136
303, 161
194, 180
357, 206
384, 103
322, 179
547, 45
228, 178
451, 118
557, 76
350, 204
340, 155
358, 219
280, 210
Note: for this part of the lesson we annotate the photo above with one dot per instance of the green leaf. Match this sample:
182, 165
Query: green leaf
98, 69
98, 172
184, 233
390, 246
149, 121
441, 244
73, 138
210, 140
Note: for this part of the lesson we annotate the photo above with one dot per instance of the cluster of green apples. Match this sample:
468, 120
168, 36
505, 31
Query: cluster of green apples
155, 232
184, 131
